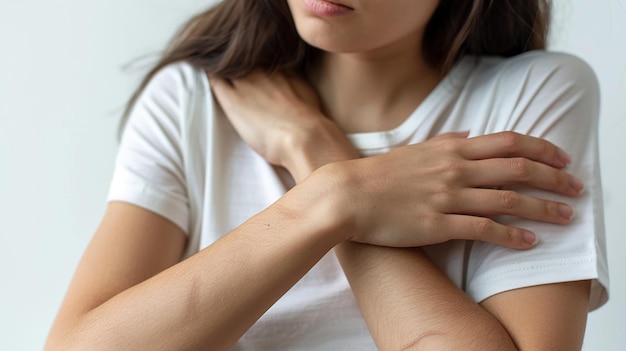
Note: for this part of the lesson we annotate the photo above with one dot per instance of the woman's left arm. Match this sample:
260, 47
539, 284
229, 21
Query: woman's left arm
557, 100
408, 303
543, 317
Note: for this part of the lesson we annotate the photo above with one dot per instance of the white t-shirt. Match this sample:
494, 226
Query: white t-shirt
181, 158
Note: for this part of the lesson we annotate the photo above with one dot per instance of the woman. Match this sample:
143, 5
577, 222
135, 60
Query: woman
208, 243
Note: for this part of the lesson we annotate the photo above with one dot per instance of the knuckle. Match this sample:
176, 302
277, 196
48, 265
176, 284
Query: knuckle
521, 167
444, 197
511, 234
451, 168
448, 164
546, 148
450, 145
561, 179
443, 166
510, 140
483, 228
431, 222
551, 211
441, 146
509, 200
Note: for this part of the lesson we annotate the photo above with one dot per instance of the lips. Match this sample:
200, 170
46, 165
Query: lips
327, 8
339, 4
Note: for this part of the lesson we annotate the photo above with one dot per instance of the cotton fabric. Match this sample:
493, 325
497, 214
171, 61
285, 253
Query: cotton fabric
181, 158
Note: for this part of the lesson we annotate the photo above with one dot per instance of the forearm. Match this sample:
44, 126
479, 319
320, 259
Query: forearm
417, 195
212, 298
408, 303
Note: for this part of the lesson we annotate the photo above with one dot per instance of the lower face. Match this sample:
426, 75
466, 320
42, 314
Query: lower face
355, 26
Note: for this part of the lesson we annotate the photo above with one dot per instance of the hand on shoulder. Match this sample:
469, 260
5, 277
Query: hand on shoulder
442, 189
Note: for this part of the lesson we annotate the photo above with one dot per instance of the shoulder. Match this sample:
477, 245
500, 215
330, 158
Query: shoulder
539, 70
180, 76
170, 94
539, 59
533, 85
165, 103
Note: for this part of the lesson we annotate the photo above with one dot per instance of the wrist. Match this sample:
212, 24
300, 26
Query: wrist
316, 144
321, 201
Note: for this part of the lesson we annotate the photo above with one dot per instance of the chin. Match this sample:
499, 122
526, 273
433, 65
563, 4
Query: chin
329, 40
335, 47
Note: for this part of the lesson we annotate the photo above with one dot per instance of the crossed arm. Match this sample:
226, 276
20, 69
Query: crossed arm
407, 302
130, 291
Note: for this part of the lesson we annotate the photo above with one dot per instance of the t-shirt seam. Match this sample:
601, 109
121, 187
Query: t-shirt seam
534, 266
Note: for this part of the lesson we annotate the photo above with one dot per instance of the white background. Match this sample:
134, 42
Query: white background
61, 94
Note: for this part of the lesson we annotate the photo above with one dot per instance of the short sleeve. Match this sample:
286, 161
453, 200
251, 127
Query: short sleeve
149, 169
555, 97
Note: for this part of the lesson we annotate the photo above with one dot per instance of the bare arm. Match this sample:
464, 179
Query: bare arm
545, 317
407, 302
122, 298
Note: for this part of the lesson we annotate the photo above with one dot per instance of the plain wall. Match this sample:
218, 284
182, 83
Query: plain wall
61, 94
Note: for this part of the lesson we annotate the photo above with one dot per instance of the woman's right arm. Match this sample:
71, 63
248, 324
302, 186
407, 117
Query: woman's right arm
130, 294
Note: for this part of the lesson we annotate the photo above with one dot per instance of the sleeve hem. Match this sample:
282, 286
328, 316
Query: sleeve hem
158, 201
527, 274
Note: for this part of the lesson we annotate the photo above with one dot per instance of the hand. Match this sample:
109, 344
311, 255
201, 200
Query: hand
280, 118
443, 189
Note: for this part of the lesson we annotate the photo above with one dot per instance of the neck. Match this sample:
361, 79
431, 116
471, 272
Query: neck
376, 90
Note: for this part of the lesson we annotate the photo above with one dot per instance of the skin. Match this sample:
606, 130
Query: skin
373, 65
420, 306
342, 80
129, 295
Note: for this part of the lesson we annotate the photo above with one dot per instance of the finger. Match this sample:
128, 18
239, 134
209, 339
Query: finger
511, 144
456, 135
250, 81
224, 91
521, 171
253, 77
221, 82
273, 87
491, 202
219, 85
488, 230
304, 90
261, 81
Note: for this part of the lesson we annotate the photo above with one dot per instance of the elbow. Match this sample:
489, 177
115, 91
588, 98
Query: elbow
58, 338
427, 341
473, 336
73, 334
68, 342
58, 341
435, 341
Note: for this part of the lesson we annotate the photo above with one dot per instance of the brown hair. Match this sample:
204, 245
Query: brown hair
237, 36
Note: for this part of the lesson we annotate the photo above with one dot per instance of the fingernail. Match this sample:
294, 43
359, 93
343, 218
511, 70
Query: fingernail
577, 184
530, 238
566, 211
563, 156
